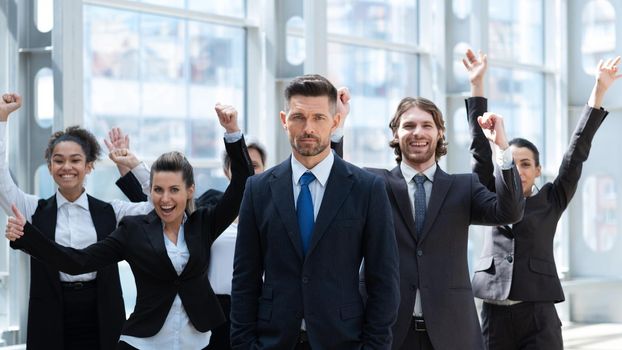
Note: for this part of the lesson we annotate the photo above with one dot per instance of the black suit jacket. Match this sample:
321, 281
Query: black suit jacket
275, 286
517, 263
140, 241
45, 308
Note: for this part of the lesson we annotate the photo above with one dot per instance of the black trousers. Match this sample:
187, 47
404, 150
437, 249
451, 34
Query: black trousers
221, 335
416, 339
80, 317
524, 326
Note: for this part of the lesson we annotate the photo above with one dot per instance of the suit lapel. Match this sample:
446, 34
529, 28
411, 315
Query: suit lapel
338, 186
440, 187
101, 218
283, 194
155, 235
399, 189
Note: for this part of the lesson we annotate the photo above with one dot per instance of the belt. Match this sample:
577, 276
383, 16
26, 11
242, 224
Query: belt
303, 337
78, 285
418, 324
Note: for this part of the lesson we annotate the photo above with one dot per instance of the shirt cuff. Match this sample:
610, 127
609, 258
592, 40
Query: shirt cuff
231, 137
504, 158
337, 135
141, 172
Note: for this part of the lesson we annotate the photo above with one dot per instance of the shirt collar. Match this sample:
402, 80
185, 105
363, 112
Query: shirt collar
321, 171
82, 201
408, 172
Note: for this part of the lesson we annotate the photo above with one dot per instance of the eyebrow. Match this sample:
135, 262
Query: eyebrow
71, 155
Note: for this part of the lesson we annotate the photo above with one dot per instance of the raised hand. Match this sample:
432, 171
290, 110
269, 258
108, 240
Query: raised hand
476, 65
117, 140
123, 157
606, 74
494, 129
15, 225
9, 104
228, 117
343, 104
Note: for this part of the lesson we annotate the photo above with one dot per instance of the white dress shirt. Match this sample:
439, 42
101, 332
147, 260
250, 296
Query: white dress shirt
321, 172
74, 225
220, 270
177, 332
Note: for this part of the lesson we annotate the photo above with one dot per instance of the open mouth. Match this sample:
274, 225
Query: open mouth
418, 144
67, 176
167, 209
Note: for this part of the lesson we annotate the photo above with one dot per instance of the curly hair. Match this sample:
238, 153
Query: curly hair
427, 106
82, 137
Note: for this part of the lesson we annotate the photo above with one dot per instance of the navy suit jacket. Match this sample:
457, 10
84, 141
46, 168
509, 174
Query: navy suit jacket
275, 286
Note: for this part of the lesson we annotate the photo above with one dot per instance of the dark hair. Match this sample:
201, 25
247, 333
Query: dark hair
226, 160
311, 85
175, 161
427, 106
76, 134
520, 142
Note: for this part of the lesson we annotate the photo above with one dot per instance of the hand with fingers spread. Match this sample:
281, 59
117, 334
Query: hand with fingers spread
228, 117
343, 104
117, 140
606, 75
9, 104
476, 65
15, 225
124, 157
494, 129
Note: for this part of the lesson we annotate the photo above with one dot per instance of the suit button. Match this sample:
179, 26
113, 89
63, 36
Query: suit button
509, 258
419, 252
177, 282
305, 280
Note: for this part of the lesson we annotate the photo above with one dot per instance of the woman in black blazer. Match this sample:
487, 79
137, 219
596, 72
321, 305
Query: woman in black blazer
516, 274
167, 250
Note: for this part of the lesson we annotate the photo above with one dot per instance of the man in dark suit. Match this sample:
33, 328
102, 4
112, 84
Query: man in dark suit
432, 211
305, 227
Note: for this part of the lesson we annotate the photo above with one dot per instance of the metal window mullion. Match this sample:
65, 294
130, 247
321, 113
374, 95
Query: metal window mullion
377, 44
173, 12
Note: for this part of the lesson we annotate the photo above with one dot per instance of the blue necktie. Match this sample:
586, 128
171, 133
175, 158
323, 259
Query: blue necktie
304, 209
419, 203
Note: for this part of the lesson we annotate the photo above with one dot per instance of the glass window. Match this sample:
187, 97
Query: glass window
516, 30
388, 20
159, 78
295, 44
518, 96
44, 15
378, 80
461, 8
44, 95
599, 33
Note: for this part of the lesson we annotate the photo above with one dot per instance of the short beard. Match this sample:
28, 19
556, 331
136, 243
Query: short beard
305, 151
